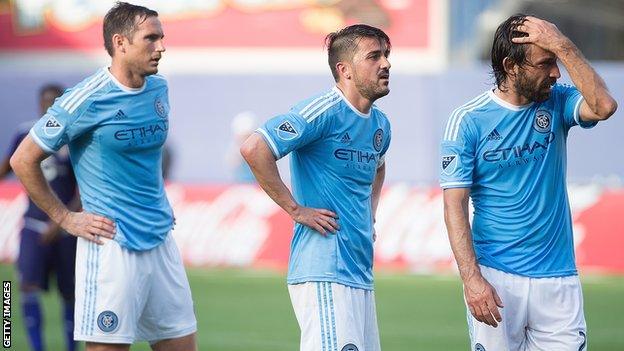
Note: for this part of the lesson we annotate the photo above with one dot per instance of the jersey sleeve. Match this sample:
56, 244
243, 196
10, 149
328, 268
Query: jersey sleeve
59, 126
570, 99
288, 132
457, 156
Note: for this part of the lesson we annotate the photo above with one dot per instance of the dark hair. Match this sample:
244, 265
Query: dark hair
53, 87
122, 19
504, 47
341, 45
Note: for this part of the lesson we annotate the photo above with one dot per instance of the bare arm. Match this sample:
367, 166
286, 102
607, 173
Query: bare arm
26, 163
263, 165
598, 104
376, 192
481, 297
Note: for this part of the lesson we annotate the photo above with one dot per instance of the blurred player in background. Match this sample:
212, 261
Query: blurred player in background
44, 247
243, 125
507, 150
337, 142
115, 123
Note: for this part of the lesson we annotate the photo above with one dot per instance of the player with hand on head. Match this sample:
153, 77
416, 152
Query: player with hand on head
115, 123
506, 149
337, 141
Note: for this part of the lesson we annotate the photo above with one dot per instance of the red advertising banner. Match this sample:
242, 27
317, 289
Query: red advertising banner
76, 24
239, 226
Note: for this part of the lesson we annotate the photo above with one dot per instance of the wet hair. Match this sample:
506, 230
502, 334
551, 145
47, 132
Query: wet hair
503, 47
122, 19
341, 45
53, 87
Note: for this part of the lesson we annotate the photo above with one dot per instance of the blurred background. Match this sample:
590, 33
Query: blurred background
233, 64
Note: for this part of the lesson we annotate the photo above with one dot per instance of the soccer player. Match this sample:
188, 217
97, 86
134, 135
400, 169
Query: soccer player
506, 149
115, 122
44, 248
337, 142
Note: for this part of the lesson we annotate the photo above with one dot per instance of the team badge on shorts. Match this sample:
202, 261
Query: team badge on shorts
542, 121
160, 108
107, 321
52, 127
449, 164
349, 347
378, 139
286, 131
479, 347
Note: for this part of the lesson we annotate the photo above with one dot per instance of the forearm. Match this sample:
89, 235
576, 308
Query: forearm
377, 185
5, 168
586, 79
39, 191
264, 167
460, 238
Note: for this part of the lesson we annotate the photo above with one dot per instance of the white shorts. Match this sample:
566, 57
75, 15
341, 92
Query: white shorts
335, 317
538, 314
124, 296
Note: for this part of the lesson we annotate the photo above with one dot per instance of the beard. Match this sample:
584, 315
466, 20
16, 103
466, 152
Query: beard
532, 89
371, 90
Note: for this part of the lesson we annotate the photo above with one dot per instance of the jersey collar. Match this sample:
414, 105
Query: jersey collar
123, 87
364, 115
507, 105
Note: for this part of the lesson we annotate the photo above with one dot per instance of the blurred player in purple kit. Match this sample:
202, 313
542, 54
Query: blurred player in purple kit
44, 247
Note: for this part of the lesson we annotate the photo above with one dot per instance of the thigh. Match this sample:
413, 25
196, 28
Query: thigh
32, 260
334, 317
510, 333
110, 292
557, 320
168, 312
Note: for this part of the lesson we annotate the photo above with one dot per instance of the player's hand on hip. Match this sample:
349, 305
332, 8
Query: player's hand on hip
89, 226
541, 33
483, 301
319, 219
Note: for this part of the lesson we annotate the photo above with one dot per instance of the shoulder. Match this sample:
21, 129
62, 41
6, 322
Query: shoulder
157, 80
317, 106
465, 114
76, 99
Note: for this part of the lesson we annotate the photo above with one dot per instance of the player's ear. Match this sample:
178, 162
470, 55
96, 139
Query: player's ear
510, 67
344, 70
118, 43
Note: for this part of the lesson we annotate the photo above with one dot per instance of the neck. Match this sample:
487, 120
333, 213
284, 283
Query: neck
354, 97
125, 76
511, 96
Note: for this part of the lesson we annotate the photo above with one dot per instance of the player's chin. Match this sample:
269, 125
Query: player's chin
151, 70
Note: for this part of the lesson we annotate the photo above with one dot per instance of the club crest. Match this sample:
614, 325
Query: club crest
542, 121
378, 140
107, 321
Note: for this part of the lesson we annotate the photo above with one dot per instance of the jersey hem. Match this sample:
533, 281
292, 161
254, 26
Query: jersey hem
292, 281
270, 142
560, 274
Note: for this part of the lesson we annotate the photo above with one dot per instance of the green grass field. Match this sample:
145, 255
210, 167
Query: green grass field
244, 310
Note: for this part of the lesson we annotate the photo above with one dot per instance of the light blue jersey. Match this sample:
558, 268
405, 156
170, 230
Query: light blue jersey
336, 151
513, 159
115, 136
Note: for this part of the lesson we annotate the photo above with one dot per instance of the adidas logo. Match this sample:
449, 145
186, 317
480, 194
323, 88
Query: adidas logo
345, 138
494, 135
120, 115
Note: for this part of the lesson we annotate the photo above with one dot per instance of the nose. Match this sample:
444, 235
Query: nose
554, 72
385, 63
160, 46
